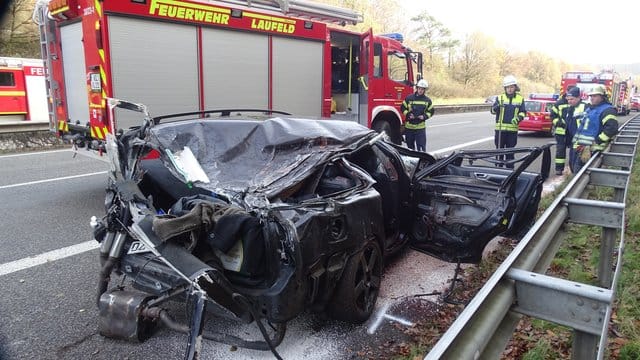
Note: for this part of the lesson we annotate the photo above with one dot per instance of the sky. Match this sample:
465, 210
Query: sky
587, 32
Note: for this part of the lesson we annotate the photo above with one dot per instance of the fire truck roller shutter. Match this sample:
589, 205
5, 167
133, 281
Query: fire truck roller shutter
154, 63
75, 77
297, 76
235, 69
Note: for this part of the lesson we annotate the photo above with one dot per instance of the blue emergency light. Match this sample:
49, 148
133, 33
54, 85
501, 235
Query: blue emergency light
394, 36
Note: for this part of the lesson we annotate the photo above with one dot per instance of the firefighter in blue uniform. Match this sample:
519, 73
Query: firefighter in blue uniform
417, 108
509, 110
595, 129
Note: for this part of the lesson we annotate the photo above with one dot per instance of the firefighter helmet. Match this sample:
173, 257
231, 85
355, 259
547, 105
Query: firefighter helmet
598, 90
423, 84
509, 80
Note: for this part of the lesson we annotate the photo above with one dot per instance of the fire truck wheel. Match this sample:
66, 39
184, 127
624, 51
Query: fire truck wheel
384, 125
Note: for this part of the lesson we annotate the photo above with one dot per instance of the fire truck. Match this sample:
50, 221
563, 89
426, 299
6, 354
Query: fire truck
180, 56
22, 90
618, 88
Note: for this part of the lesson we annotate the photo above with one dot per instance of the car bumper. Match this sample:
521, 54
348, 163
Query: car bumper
535, 126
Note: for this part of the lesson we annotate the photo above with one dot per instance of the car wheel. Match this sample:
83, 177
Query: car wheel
357, 292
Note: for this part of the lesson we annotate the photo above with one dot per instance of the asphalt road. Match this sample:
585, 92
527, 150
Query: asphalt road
49, 267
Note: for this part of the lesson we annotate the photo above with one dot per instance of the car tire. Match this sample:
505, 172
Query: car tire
357, 291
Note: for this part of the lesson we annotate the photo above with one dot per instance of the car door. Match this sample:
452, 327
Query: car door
364, 80
459, 205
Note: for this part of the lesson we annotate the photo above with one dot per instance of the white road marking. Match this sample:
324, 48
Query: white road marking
449, 124
25, 263
34, 153
51, 180
460, 146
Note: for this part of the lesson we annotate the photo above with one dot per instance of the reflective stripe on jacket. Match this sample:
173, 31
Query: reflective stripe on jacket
509, 112
559, 123
597, 127
556, 115
569, 117
416, 105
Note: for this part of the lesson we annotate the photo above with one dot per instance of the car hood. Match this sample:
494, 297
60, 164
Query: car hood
252, 155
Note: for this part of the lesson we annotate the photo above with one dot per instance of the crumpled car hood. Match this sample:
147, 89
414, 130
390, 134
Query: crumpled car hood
253, 155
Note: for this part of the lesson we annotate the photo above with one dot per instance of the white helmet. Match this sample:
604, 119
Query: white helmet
598, 90
509, 80
423, 84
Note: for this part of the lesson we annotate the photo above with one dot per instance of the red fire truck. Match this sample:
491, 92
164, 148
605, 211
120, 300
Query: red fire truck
618, 88
179, 55
22, 90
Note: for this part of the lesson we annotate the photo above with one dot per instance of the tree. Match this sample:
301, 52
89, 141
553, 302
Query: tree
18, 33
450, 45
475, 64
432, 34
542, 68
381, 16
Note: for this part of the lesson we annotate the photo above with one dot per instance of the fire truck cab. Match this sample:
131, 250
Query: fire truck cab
193, 55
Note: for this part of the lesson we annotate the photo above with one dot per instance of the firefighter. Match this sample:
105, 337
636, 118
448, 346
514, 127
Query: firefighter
595, 129
574, 110
559, 130
509, 110
417, 108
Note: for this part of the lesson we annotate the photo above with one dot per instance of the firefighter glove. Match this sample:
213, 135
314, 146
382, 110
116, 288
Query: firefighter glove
411, 116
585, 154
421, 117
515, 121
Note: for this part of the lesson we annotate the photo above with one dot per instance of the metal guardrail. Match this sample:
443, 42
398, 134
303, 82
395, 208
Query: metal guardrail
450, 109
22, 126
519, 286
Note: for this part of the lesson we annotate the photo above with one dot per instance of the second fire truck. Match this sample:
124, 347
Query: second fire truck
618, 88
180, 56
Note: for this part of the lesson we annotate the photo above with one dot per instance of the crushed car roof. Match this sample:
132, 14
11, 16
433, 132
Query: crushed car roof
252, 155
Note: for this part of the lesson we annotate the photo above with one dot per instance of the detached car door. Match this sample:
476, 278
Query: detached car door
459, 207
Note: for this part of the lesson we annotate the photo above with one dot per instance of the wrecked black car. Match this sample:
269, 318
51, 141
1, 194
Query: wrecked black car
260, 220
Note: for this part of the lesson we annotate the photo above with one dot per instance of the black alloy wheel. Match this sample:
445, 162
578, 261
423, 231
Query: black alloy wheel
357, 292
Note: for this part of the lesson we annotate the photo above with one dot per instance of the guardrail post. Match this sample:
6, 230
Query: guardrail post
605, 265
584, 346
